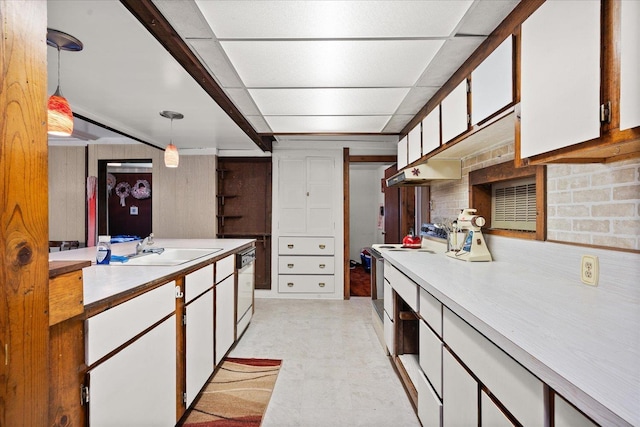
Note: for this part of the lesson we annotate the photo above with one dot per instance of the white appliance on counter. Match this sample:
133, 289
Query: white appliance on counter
245, 263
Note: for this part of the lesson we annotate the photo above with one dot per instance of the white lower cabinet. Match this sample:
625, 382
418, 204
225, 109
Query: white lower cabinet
137, 386
389, 333
491, 415
515, 387
429, 405
565, 415
199, 343
431, 356
306, 284
459, 394
306, 265
225, 317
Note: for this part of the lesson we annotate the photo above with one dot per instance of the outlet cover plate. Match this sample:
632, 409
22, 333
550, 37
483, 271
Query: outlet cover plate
589, 270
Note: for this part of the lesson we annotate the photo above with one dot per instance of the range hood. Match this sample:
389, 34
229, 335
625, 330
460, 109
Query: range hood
422, 174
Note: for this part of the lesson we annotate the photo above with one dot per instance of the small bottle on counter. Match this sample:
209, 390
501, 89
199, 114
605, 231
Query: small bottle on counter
103, 255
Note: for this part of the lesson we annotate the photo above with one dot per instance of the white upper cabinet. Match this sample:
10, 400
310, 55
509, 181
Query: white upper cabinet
402, 153
454, 112
630, 65
560, 76
414, 144
492, 83
431, 131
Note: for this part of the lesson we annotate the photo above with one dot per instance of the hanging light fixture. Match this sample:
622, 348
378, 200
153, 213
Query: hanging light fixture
59, 114
171, 157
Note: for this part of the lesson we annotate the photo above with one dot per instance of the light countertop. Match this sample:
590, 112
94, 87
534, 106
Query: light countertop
582, 341
105, 281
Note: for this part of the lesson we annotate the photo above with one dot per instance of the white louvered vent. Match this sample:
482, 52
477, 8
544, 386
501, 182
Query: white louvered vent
514, 205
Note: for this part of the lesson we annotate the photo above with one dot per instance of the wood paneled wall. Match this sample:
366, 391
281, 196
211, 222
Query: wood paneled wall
67, 193
184, 199
24, 270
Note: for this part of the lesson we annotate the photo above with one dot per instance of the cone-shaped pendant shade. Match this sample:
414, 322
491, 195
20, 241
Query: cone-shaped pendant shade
60, 117
171, 158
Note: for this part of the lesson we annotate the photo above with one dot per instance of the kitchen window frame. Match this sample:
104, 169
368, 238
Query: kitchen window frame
480, 195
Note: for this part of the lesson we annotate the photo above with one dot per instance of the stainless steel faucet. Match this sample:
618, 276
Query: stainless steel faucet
142, 245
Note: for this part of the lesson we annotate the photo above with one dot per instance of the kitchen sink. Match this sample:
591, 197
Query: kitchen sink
170, 256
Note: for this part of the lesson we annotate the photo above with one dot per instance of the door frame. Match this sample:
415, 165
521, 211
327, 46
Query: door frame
346, 162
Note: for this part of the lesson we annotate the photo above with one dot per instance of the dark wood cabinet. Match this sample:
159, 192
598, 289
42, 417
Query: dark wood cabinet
244, 207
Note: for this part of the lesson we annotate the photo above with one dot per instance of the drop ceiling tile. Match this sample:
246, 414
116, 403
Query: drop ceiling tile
243, 101
452, 55
326, 124
355, 101
485, 16
331, 63
396, 123
416, 99
213, 57
185, 17
259, 124
332, 19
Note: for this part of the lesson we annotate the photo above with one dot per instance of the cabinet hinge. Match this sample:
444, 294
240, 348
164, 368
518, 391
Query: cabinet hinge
468, 86
605, 112
179, 293
84, 394
468, 119
184, 398
184, 319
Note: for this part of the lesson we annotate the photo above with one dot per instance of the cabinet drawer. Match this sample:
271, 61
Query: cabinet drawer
112, 328
491, 415
225, 268
197, 282
431, 311
518, 390
305, 265
296, 283
405, 287
389, 333
305, 246
429, 405
388, 299
65, 297
431, 357
565, 415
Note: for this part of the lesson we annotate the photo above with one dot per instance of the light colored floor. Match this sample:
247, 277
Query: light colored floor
334, 370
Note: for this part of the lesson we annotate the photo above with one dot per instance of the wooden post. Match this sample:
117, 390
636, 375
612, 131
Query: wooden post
24, 272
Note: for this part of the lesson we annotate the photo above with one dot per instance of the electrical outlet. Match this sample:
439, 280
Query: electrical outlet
589, 270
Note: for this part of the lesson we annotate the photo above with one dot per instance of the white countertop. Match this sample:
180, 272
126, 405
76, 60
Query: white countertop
583, 341
104, 281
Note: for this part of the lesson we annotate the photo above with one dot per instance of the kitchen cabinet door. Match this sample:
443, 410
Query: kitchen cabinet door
566, 415
630, 65
414, 144
492, 83
403, 149
225, 317
431, 131
492, 416
292, 195
459, 394
199, 347
137, 386
454, 113
560, 76
319, 179
429, 405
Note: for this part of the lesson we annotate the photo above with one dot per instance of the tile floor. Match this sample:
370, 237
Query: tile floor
334, 371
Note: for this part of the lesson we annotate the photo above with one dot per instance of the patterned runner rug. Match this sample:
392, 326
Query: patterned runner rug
237, 395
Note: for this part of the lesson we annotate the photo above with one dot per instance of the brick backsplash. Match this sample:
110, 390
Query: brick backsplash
596, 204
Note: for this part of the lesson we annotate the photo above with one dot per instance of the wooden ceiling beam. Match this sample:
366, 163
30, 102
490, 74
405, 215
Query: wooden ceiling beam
151, 18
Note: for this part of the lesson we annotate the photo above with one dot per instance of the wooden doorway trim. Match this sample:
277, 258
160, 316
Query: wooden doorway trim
346, 162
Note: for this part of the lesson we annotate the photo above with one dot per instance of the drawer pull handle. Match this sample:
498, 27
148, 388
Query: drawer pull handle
321, 284
290, 284
290, 265
321, 246
290, 246
322, 265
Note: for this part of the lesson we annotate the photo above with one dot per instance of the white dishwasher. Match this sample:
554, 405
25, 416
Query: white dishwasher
245, 263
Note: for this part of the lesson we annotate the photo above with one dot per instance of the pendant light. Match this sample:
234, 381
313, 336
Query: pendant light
171, 157
59, 114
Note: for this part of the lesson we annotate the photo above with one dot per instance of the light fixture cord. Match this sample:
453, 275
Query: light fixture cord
58, 88
171, 134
